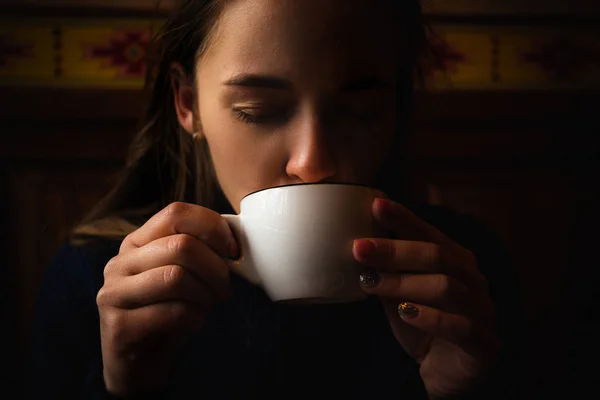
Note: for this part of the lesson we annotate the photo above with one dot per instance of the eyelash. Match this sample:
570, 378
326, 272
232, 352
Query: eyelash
248, 118
252, 119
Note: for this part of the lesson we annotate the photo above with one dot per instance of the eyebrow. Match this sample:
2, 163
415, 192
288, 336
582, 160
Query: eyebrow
273, 82
259, 81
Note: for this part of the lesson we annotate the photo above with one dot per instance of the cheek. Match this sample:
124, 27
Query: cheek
244, 162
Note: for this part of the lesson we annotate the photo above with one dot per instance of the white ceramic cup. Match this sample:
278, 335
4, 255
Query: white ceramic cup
296, 241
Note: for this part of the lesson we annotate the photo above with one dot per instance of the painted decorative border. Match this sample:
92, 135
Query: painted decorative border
102, 53
561, 8
500, 58
75, 53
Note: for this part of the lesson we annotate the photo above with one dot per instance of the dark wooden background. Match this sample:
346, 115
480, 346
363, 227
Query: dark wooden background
524, 162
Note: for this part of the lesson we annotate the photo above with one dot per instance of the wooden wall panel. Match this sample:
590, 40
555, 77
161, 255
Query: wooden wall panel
530, 210
46, 201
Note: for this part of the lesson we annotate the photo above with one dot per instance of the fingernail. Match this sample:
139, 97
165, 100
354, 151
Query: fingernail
369, 279
233, 249
366, 248
407, 310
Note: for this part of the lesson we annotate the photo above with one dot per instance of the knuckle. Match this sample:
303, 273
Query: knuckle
443, 286
129, 241
433, 254
125, 243
103, 297
176, 210
114, 323
181, 244
111, 267
173, 276
392, 249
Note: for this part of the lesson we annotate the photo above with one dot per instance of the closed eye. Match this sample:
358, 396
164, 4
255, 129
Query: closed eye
254, 115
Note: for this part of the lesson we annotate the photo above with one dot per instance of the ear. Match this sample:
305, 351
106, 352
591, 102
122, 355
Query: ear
183, 93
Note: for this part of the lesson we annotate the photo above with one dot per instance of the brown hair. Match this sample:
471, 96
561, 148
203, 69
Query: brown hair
165, 164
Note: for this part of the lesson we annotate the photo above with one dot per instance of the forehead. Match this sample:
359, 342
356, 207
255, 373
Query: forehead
293, 36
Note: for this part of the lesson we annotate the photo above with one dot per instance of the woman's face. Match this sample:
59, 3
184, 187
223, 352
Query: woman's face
296, 91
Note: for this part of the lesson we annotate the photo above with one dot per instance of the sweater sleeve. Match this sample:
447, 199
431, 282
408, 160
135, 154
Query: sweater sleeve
65, 360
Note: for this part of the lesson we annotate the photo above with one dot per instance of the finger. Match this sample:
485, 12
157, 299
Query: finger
455, 328
139, 346
182, 218
401, 255
158, 285
184, 250
127, 327
419, 257
434, 290
408, 226
400, 220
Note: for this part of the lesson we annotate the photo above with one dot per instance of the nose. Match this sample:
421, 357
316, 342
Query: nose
311, 157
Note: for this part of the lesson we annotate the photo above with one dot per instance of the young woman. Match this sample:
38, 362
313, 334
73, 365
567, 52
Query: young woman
245, 95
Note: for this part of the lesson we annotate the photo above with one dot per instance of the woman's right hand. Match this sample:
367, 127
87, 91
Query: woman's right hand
157, 291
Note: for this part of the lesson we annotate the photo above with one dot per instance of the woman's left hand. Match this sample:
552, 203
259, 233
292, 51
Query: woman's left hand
437, 301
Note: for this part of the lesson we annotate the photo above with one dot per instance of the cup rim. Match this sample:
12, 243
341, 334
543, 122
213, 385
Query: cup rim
310, 184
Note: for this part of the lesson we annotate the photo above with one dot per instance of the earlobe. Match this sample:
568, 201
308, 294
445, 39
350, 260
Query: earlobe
183, 96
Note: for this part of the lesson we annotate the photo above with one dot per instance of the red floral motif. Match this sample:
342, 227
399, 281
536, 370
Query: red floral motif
442, 57
10, 50
126, 51
561, 57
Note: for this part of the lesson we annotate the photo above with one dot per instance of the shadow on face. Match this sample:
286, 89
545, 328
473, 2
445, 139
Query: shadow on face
298, 91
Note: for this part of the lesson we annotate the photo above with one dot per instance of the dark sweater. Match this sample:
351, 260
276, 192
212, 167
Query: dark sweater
253, 348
